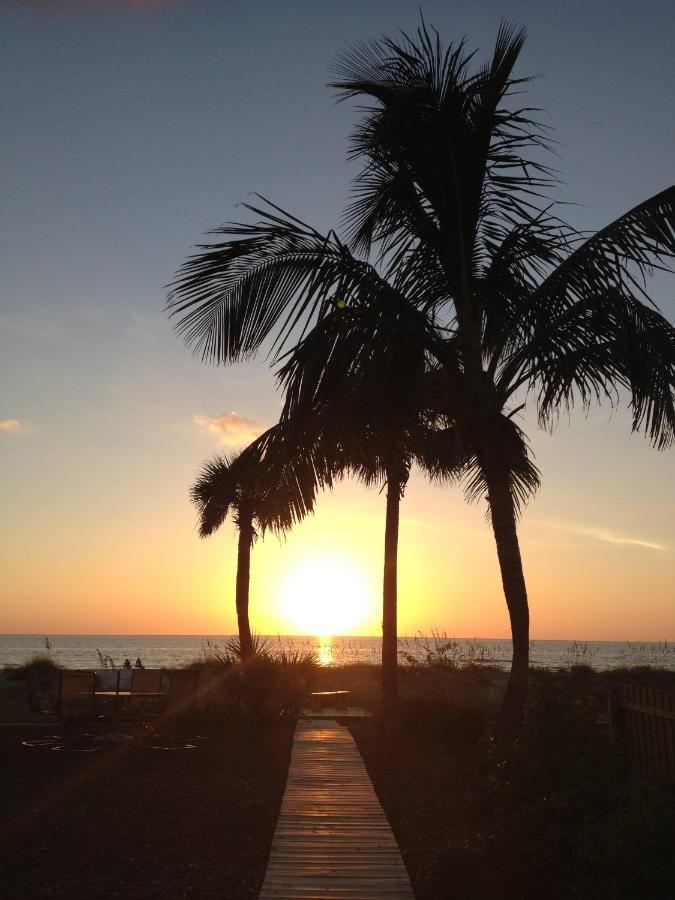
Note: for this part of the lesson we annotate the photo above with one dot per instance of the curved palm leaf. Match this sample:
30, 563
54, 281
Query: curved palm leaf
587, 328
277, 277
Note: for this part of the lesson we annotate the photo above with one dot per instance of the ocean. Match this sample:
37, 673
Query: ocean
155, 651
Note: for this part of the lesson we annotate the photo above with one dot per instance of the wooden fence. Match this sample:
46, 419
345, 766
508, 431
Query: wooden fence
644, 717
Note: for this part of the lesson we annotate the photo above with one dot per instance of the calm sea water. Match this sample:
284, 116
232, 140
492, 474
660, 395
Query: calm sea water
80, 650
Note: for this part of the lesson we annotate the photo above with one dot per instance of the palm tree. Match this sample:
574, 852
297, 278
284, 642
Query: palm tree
270, 485
363, 411
509, 303
451, 177
375, 435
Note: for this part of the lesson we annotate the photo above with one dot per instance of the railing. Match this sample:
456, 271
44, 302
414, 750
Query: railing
644, 718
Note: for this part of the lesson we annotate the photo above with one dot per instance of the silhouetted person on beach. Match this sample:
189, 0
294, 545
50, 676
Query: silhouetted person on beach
138, 664
127, 664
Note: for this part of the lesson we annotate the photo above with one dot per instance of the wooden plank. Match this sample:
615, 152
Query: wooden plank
332, 838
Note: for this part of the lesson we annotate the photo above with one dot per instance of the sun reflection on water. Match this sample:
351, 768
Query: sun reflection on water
324, 650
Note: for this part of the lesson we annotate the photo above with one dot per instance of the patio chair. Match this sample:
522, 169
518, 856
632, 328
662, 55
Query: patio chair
107, 680
146, 692
77, 696
106, 692
43, 692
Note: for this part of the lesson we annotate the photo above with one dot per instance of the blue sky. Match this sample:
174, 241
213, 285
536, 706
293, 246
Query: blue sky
130, 129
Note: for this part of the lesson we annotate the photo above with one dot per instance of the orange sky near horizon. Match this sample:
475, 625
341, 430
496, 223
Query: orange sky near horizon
592, 574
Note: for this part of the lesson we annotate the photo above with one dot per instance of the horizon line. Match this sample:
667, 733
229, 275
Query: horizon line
333, 636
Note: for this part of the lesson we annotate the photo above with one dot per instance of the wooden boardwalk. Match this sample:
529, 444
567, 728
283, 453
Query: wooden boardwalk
332, 838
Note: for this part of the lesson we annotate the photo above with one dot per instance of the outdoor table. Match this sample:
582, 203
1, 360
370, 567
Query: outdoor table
111, 703
125, 693
120, 693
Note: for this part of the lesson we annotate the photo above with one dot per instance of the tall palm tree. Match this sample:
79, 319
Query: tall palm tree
453, 177
509, 302
270, 485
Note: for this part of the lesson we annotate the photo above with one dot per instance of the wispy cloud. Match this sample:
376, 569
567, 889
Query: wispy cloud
234, 430
13, 426
604, 535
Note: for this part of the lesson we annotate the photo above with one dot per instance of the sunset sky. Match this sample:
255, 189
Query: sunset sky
130, 129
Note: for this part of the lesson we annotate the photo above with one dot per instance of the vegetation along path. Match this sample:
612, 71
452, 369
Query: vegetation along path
332, 838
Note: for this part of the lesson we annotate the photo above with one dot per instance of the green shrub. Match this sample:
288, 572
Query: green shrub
264, 685
40, 663
562, 816
446, 703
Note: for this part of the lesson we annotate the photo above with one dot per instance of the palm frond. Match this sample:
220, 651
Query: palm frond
273, 482
520, 258
617, 343
442, 455
375, 349
291, 470
506, 444
618, 257
444, 159
270, 278
590, 327
216, 492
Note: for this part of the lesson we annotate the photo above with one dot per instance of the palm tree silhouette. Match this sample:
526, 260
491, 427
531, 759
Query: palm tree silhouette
268, 486
509, 302
374, 431
452, 178
362, 413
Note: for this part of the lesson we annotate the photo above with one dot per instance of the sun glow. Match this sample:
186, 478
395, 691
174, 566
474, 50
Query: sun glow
324, 597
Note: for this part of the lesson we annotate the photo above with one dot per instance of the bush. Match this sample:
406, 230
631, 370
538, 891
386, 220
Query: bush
40, 663
562, 816
267, 684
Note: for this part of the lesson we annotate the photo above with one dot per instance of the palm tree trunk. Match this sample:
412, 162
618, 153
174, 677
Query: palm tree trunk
513, 580
243, 580
389, 594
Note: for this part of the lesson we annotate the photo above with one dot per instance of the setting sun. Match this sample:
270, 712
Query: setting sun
324, 597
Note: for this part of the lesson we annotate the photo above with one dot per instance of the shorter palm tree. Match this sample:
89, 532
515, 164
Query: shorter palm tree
370, 418
270, 485
225, 486
355, 381
371, 437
